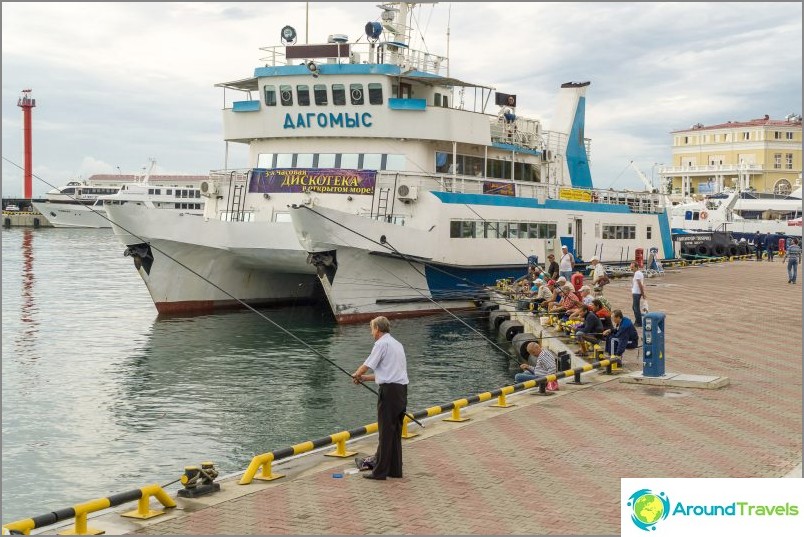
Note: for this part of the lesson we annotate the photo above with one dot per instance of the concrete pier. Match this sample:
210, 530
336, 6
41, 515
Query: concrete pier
552, 465
24, 219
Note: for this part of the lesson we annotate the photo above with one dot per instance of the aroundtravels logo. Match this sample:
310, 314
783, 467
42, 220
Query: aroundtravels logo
648, 508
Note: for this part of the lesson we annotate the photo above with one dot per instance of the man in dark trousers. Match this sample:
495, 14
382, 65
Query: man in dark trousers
387, 360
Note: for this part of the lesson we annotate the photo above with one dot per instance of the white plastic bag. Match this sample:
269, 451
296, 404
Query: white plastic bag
643, 306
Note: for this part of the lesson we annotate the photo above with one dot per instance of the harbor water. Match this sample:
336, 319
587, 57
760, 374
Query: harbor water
101, 395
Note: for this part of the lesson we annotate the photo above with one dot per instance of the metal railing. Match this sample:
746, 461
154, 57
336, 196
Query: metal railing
80, 511
262, 463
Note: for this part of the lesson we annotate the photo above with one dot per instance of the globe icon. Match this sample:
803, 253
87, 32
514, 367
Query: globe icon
648, 509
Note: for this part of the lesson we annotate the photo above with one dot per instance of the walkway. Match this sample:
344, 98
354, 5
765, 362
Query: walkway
553, 464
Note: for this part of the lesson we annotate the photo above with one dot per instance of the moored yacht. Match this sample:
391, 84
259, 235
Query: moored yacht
379, 133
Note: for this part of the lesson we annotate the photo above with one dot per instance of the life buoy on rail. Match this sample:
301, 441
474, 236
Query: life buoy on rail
704, 215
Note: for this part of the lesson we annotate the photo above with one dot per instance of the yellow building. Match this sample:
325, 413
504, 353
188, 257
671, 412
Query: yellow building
760, 154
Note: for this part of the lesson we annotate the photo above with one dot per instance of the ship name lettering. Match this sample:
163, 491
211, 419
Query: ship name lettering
342, 120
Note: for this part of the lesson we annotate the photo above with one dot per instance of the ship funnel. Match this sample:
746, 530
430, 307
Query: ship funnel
569, 120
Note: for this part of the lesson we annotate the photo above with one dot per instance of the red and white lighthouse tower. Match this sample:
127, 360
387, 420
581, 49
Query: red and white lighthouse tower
26, 103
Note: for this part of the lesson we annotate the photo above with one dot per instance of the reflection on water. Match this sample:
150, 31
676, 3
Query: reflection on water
100, 395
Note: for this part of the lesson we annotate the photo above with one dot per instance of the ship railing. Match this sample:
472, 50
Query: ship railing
638, 202
523, 131
728, 168
377, 53
261, 466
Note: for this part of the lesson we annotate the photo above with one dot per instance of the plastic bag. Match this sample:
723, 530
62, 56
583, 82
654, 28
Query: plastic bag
552, 386
644, 307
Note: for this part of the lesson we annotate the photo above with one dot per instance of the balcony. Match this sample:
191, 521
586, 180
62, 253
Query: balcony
724, 169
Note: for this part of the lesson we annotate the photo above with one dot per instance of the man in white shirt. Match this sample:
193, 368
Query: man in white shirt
388, 361
566, 264
637, 292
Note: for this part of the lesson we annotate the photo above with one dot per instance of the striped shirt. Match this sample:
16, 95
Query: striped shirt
794, 252
545, 364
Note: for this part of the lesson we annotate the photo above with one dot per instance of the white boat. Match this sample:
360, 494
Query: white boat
378, 132
744, 213
81, 203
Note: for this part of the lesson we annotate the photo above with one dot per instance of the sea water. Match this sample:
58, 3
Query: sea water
101, 395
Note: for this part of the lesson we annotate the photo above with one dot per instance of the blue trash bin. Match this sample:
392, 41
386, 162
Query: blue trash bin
653, 344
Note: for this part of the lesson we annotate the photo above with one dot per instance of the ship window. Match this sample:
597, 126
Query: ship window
356, 93
265, 160
395, 163
649, 231
350, 161
437, 99
326, 160
284, 160
197, 193
169, 192
320, 94
445, 102
68, 191
372, 161
270, 95
338, 94
303, 93
286, 94
304, 160
150, 191
375, 93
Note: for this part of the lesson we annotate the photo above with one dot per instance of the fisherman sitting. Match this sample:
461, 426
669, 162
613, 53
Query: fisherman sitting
622, 336
591, 331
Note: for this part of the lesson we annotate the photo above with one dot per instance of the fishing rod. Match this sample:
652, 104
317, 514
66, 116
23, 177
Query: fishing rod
384, 243
227, 293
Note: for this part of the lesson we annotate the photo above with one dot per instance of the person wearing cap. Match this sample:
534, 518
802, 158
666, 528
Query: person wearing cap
552, 267
543, 292
599, 278
566, 264
577, 314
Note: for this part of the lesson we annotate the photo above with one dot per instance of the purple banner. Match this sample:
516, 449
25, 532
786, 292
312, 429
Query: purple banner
500, 189
323, 180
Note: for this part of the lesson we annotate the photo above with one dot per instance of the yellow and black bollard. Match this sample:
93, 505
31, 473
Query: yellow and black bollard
199, 481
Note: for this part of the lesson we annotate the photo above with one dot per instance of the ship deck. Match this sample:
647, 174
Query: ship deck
553, 464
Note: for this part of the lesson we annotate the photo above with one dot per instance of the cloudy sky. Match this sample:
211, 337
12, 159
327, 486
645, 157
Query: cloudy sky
119, 83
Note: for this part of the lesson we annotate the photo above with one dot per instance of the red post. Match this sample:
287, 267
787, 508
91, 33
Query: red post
26, 103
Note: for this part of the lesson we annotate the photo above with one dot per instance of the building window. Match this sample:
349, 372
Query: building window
789, 135
270, 95
619, 232
303, 92
375, 93
777, 135
286, 95
746, 135
777, 161
649, 233
320, 94
782, 187
338, 95
788, 161
686, 140
356, 93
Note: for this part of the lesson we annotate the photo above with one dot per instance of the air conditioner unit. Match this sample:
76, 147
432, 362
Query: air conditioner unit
407, 192
209, 189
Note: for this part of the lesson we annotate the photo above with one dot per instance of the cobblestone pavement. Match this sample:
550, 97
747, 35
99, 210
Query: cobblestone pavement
553, 464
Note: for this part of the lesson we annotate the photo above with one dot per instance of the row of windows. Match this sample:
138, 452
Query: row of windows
90, 190
744, 135
621, 232
352, 161
463, 229
495, 168
788, 161
187, 205
180, 193
321, 94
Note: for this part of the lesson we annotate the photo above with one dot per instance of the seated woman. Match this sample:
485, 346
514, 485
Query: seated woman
569, 300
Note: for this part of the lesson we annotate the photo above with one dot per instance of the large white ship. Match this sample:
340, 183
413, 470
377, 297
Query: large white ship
80, 203
379, 132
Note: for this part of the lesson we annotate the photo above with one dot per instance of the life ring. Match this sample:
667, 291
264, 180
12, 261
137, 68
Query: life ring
704, 215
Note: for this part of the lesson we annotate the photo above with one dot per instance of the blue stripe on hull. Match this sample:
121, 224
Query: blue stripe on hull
449, 282
510, 201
